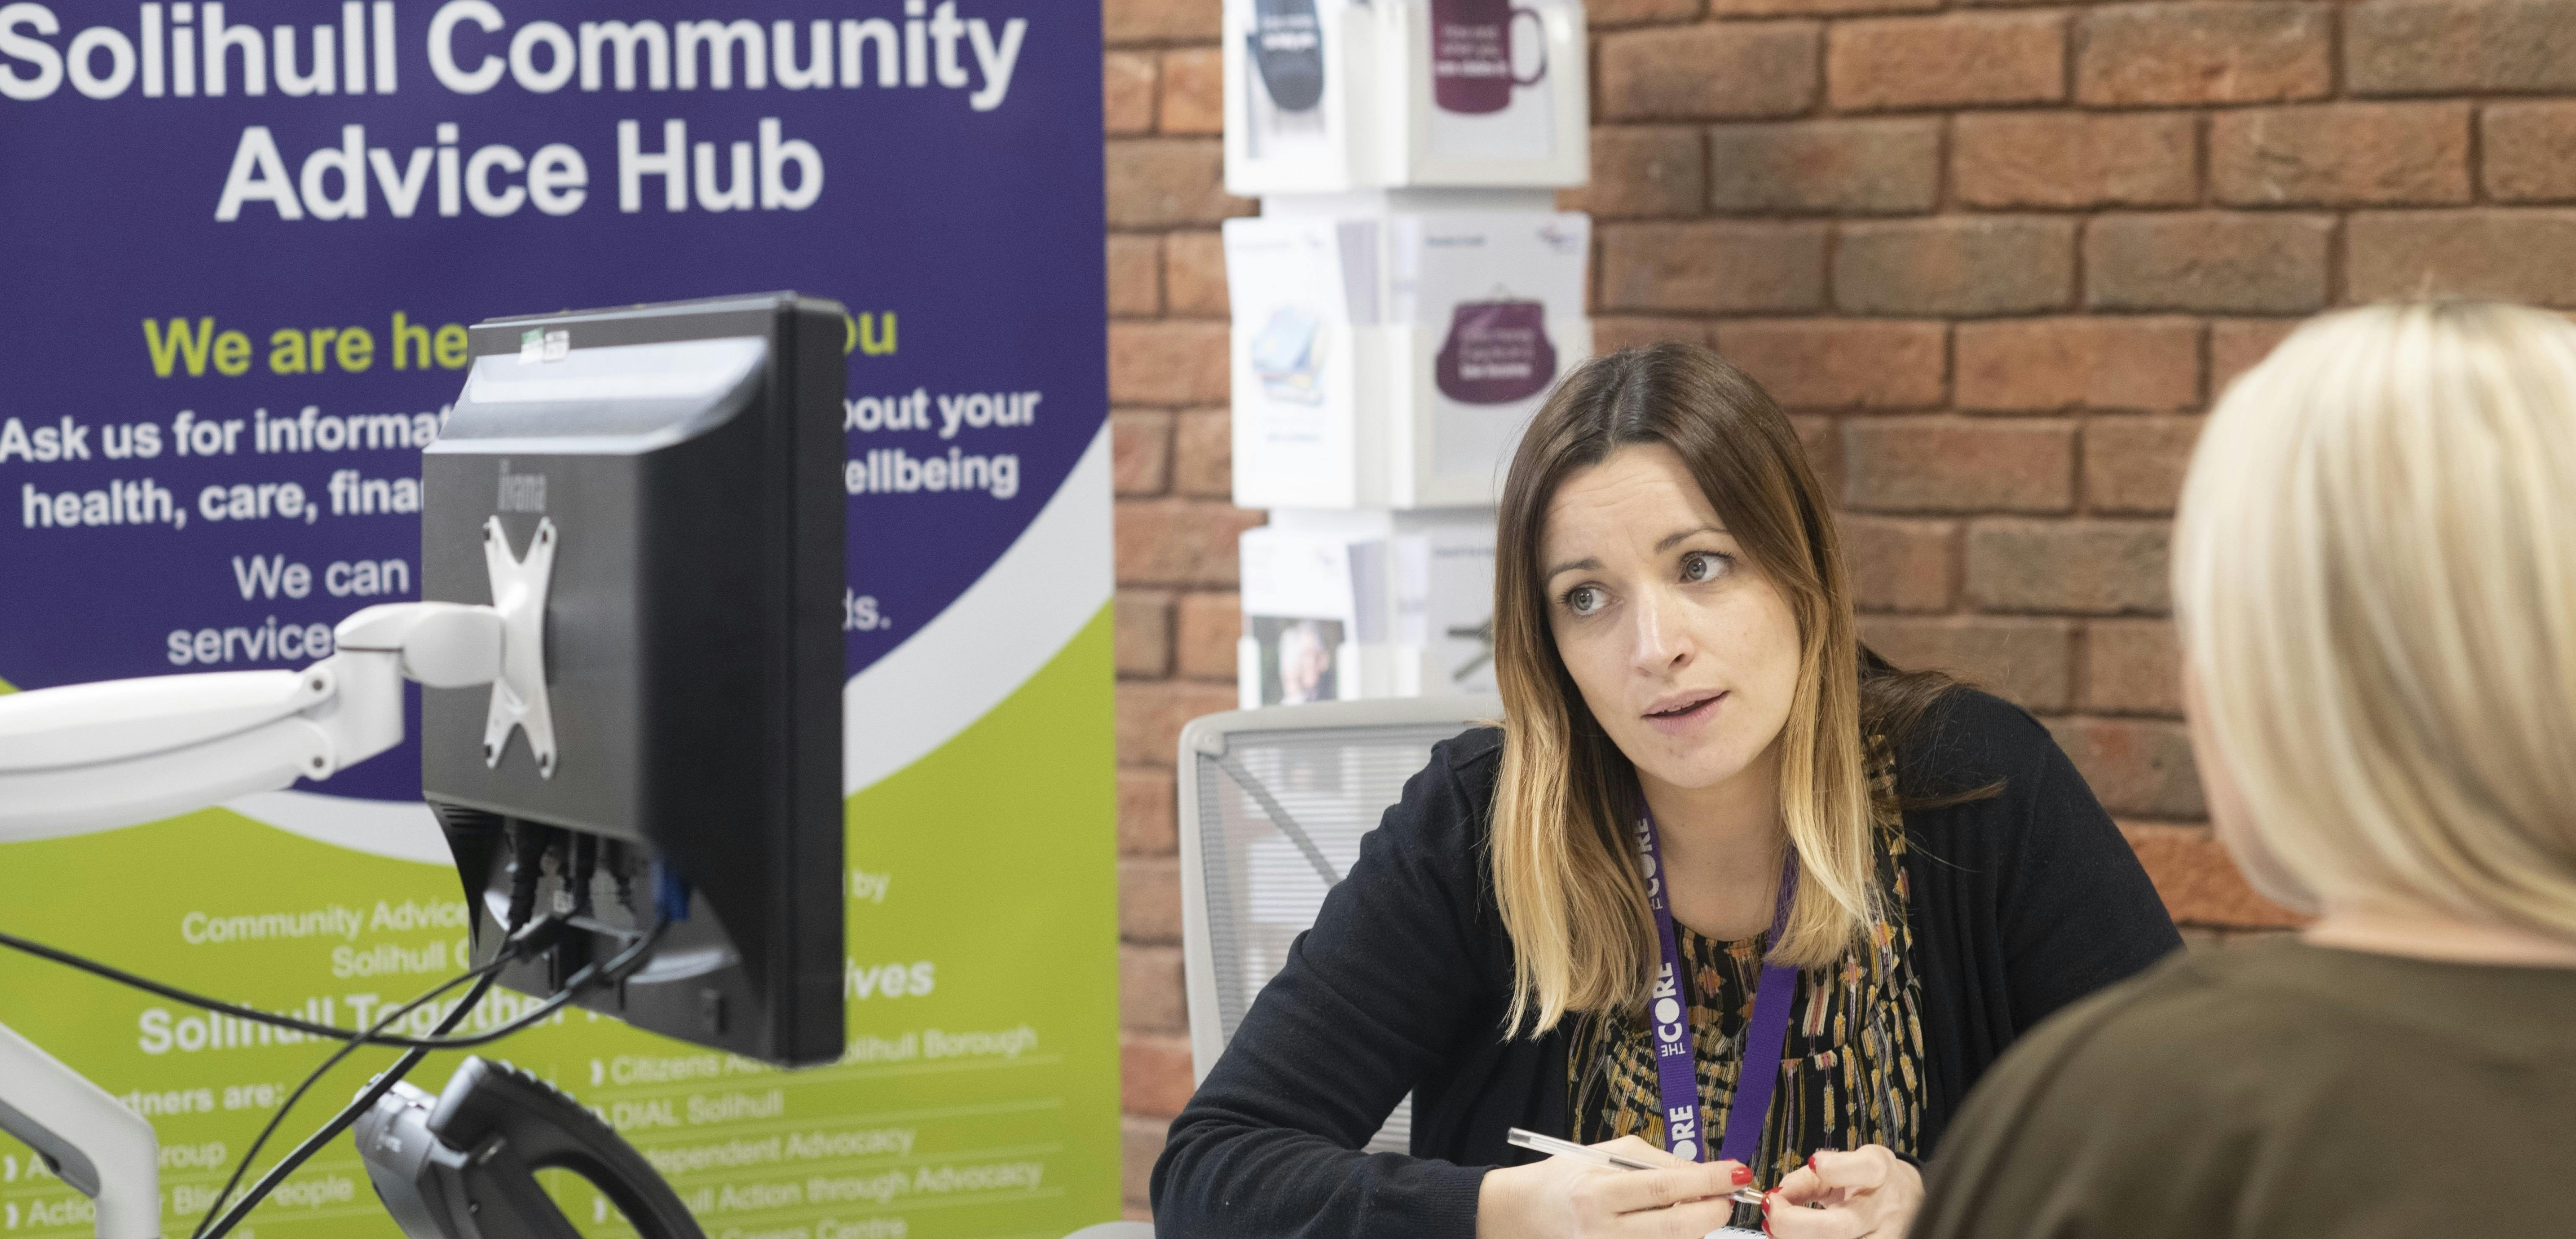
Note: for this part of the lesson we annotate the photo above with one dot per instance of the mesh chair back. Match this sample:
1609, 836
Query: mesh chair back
1273, 803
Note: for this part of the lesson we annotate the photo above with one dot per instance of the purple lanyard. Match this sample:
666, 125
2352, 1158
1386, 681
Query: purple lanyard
1763, 1038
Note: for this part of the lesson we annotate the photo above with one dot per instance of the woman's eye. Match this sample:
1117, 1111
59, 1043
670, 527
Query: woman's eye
1702, 566
1582, 600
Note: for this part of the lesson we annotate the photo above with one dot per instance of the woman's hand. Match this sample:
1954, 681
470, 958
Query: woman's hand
1868, 1191
1562, 1198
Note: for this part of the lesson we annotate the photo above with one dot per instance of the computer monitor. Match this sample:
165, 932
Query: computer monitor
679, 463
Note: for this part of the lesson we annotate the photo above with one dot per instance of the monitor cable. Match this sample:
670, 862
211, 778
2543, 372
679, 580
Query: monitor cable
517, 942
593, 975
528, 844
325, 1032
483, 977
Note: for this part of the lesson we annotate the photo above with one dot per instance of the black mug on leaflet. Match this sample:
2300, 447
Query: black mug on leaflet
1287, 45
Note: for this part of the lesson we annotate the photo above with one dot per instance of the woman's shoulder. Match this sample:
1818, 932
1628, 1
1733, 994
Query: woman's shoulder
2279, 1036
1450, 802
1972, 737
1474, 757
2265, 1084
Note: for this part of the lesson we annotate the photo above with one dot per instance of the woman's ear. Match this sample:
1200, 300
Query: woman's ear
2229, 815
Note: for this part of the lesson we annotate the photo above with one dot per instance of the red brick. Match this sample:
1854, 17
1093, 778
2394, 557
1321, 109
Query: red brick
1146, 813
1194, 274
1956, 265
1853, 167
1167, 363
1211, 624
2527, 256
2236, 344
1162, 182
1613, 332
1127, 92
1159, 21
2028, 365
1834, 363
1149, 899
1142, 621
1140, 451
2341, 154
2199, 882
1815, 8
2084, 567
2137, 767
1193, 95
1152, 713
1604, 14
1722, 267
1725, 69
2074, 159
1150, 996
1203, 454
2424, 47
1154, 1075
2131, 666
2136, 464
1140, 1142
1822, 441
1179, 541
2027, 661
1150, 990
1953, 60
1135, 276
2528, 150
2207, 261
2262, 51
1958, 464
1897, 564
1642, 171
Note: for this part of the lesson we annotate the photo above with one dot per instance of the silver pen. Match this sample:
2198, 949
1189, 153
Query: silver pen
1554, 1147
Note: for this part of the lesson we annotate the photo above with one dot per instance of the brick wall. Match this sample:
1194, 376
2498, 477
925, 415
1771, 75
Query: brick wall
1997, 259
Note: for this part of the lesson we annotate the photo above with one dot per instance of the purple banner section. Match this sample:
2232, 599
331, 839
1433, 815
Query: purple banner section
242, 240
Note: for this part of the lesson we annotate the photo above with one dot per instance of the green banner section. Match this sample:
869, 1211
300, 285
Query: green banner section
979, 1096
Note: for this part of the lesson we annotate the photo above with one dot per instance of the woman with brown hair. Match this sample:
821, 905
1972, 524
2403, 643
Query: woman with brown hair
1712, 830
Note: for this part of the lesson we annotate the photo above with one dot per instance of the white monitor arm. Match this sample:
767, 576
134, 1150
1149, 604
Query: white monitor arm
90, 757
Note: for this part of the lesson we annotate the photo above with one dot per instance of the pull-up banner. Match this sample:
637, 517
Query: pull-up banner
240, 242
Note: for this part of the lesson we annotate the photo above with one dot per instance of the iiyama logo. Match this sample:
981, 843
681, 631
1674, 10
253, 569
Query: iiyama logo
522, 492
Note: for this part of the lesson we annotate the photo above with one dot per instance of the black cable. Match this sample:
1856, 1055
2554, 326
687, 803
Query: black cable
614, 969
484, 973
237, 1011
513, 946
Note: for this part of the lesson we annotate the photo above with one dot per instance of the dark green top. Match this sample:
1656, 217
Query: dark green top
2280, 1090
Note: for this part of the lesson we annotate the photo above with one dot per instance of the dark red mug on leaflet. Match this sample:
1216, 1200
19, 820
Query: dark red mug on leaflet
1497, 352
1471, 54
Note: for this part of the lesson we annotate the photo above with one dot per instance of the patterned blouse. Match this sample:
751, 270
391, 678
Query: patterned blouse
1852, 1066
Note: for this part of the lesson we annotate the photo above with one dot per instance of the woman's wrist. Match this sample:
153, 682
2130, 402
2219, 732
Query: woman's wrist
1498, 1203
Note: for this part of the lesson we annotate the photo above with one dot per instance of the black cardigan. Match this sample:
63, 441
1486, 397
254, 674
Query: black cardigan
2019, 904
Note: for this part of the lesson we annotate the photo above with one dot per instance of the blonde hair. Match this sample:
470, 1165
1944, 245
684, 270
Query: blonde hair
1564, 858
2375, 578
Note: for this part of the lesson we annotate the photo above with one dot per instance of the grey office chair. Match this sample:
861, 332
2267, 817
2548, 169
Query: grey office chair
1272, 806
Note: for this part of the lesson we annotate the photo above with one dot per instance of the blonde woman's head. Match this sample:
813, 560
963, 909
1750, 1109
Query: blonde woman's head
2375, 578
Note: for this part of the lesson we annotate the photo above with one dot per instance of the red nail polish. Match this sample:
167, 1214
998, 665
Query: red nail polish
1743, 1175
1811, 1162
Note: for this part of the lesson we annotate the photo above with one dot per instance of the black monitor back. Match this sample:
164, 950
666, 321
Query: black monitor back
686, 459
